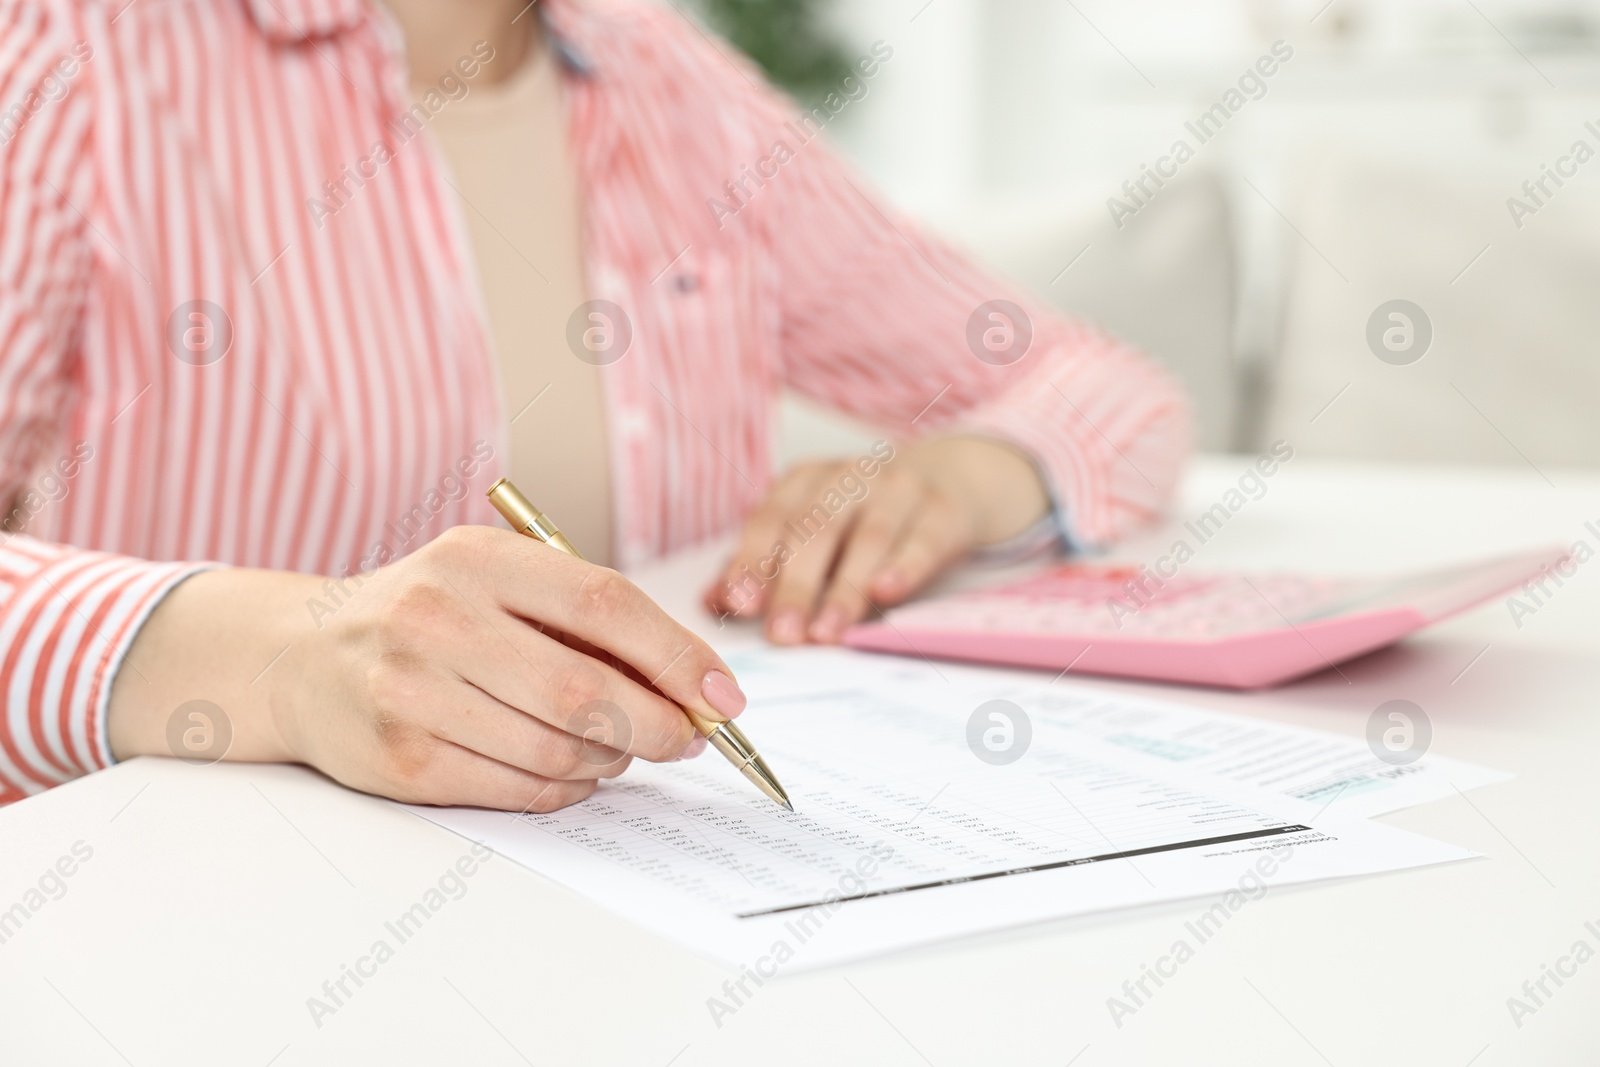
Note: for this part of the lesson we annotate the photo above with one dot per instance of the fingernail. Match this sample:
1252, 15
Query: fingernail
889, 583
830, 624
696, 745
788, 626
723, 694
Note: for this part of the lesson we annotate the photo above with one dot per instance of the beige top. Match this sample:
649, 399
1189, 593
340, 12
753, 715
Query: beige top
507, 146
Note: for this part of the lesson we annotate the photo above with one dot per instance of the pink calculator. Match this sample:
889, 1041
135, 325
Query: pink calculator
1236, 630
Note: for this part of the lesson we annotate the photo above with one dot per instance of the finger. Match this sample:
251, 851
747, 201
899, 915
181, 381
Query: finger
585, 698
580, 645
882, 524
939, 535
418, 768
463, 714
598, 605
518, 665
716, 596
744, 586
804, 574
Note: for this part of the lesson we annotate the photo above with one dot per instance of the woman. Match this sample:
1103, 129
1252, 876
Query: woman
265, 303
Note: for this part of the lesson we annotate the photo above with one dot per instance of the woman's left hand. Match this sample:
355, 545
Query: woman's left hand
834, 540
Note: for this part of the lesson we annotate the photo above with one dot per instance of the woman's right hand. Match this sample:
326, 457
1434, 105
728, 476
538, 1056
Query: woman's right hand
484, 669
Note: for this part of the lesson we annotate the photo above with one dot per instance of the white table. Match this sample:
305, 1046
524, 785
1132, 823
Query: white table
217, 900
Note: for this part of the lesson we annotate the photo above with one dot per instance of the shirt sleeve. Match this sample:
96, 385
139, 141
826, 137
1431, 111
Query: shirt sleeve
67, 617
886, 323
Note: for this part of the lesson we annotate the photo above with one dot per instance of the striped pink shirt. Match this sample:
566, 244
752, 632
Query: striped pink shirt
239, 322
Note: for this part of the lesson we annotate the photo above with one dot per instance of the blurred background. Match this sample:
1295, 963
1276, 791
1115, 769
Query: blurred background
1377, 164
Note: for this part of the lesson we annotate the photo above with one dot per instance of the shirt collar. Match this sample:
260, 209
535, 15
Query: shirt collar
563, 25
571, 56
289, 21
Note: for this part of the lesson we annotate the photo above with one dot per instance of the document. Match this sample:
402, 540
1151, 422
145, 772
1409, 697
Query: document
904, 834
1341, 774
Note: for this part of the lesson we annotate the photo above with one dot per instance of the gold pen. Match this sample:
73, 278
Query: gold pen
723, 735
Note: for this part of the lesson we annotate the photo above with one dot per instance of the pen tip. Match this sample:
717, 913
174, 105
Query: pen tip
788, 805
